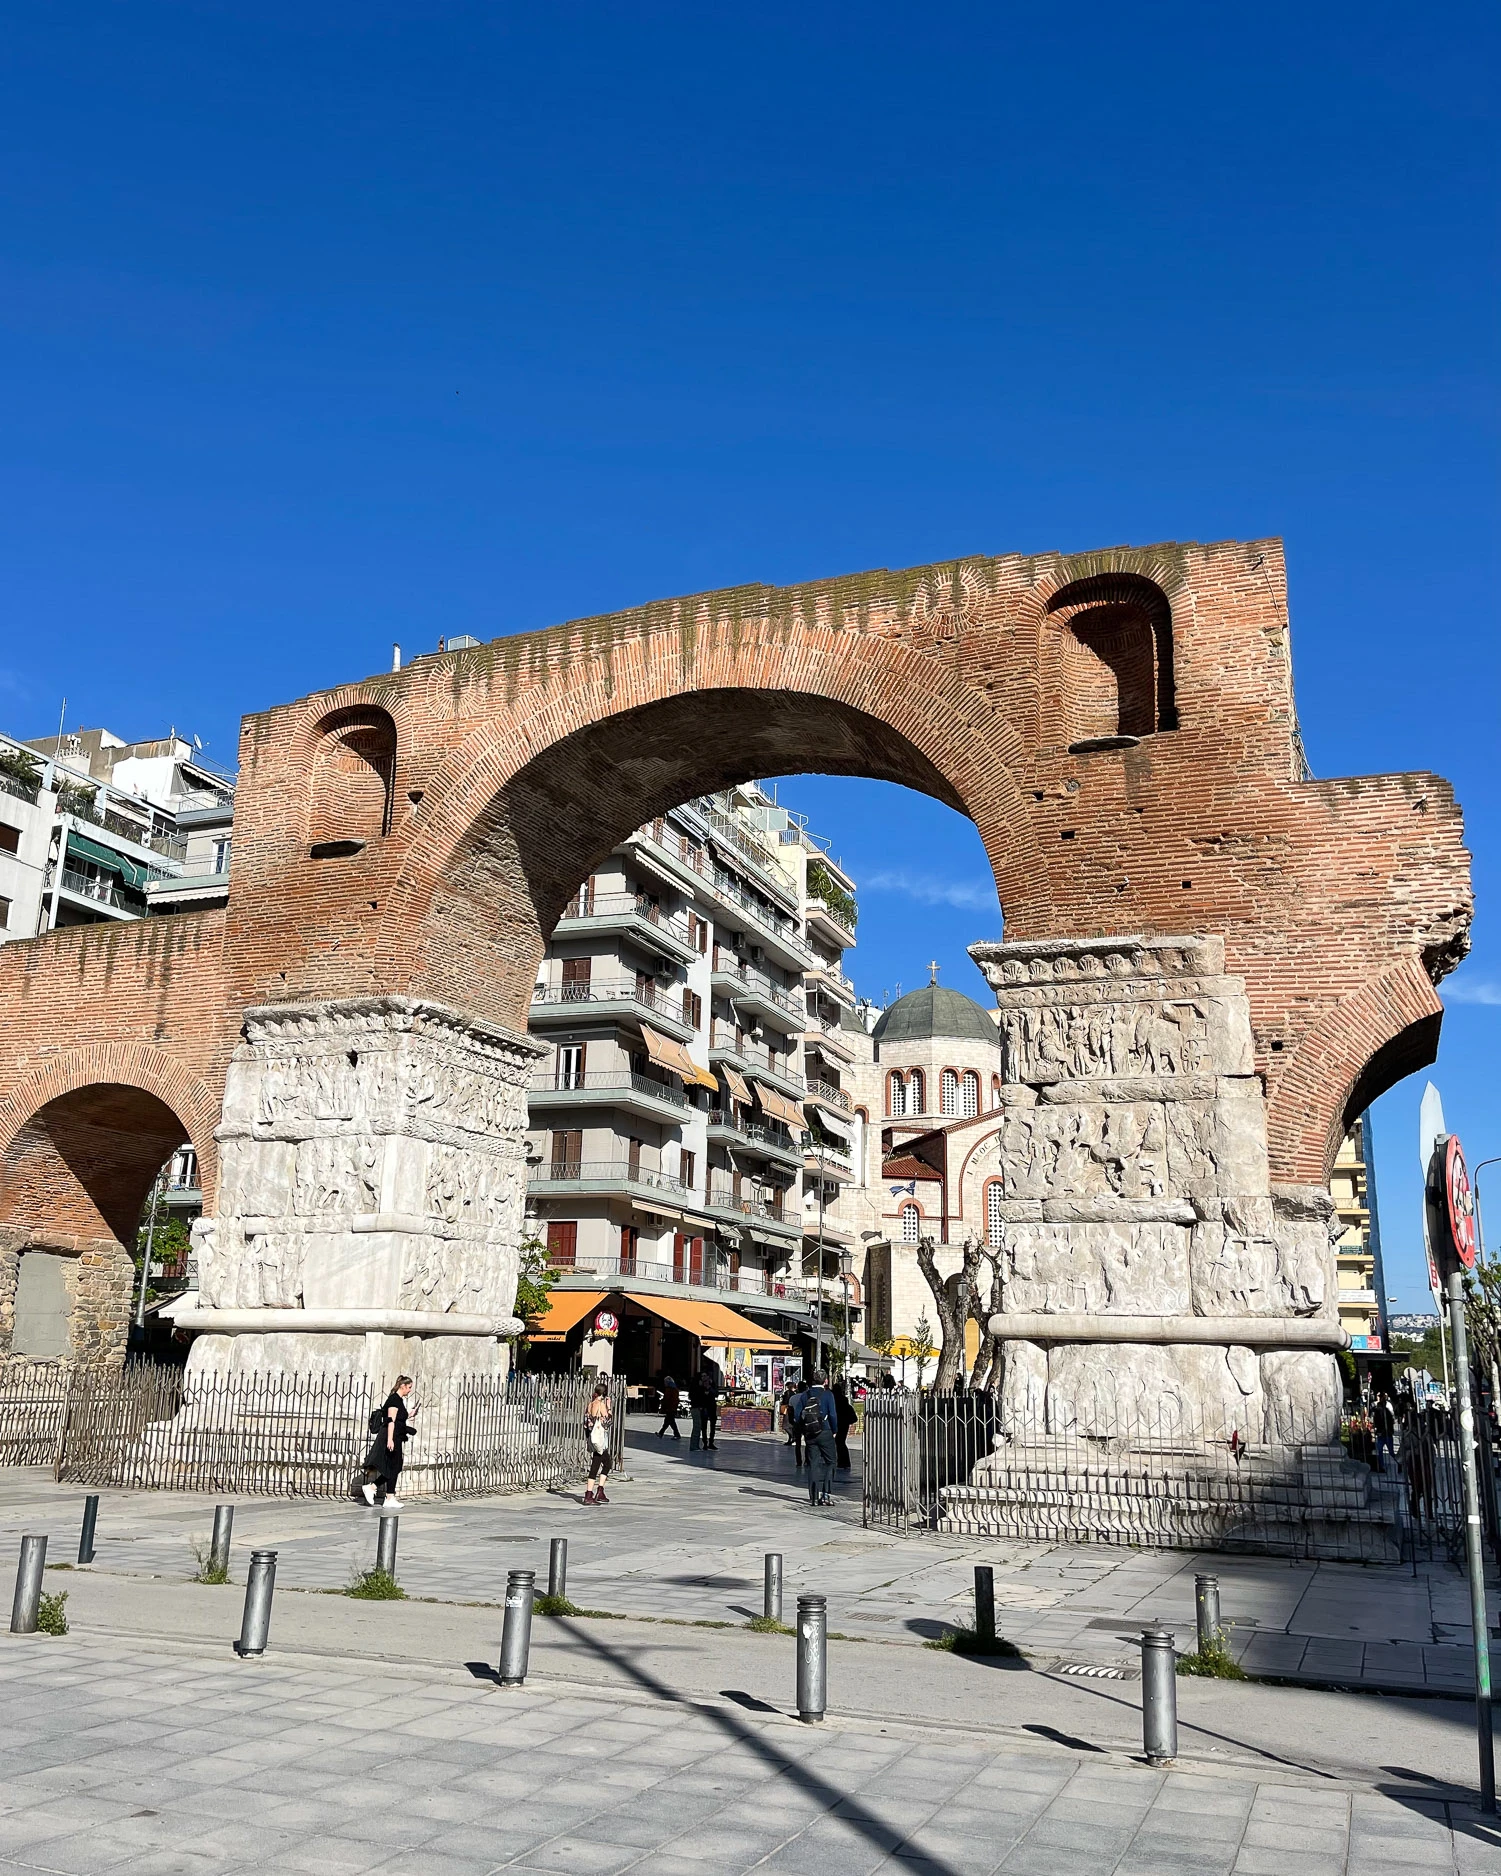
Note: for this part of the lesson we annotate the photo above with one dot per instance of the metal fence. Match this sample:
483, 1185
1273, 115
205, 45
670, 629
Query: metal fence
1169, 1479
158, 1428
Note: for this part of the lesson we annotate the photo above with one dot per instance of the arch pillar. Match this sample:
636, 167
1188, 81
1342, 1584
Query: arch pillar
372, 1194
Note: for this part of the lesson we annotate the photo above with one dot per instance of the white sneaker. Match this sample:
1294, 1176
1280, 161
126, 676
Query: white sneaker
391, 1504
368, 1493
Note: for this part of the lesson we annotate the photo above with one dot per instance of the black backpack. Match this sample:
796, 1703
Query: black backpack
810, 1420
377, 1420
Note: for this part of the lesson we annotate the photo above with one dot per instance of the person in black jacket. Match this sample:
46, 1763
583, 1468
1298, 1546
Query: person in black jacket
844, 1418
391, 1426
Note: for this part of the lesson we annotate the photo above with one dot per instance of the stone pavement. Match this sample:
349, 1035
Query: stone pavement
154, 1761
684, 1536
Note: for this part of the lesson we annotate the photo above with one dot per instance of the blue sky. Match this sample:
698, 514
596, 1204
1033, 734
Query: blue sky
325, 327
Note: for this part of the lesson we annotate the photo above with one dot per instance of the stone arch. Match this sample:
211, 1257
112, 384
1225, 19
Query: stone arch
79, 1138
519, 814
1113, 650
1364, 1045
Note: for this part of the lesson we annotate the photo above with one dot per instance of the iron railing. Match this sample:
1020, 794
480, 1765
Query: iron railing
625, 904
559, 1081
159, 1428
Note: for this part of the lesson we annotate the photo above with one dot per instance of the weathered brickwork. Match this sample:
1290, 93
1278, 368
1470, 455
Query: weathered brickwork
1118, 725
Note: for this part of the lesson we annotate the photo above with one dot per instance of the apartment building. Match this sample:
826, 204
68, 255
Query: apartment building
689, 1128
93, 829
1361, 1296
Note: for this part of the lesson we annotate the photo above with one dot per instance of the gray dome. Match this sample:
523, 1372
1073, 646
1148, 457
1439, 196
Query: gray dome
935, 1011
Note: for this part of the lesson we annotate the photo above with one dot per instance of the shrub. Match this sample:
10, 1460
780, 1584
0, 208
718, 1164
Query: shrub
376, 1586
967, 1641
52, 1614
1214, 1662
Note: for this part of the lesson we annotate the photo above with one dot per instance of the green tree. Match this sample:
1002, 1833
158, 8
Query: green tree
923, 1350
823, 885
534, 1281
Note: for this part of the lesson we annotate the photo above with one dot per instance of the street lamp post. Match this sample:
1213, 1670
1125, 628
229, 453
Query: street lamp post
156, 1199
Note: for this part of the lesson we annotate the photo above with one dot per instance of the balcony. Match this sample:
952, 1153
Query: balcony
825, 1094
832, 1042
830, 978
595, 1270
774, 930
608, 1178
755, 1060
769, 1214
826, 1157
769, 1143
610, 1088
749, 851
23, 791
100, 891
749, 990
829, 924
613, 1001
627, 915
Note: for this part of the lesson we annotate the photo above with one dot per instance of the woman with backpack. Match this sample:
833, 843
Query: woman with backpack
391, 1425
597, 1432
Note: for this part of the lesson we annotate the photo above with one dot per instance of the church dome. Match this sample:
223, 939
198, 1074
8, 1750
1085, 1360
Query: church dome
935, 1011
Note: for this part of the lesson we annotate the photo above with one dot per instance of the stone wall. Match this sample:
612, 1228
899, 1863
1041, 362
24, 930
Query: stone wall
98, 1277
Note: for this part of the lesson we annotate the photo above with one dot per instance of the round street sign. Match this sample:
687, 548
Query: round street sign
1459, 1202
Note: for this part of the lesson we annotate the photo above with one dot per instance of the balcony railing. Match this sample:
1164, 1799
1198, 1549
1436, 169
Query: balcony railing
605, 1171
626, 904
724, 1199
99, 888
826, 1091
726, 964
754, 1131
837, 918
714, 1273
723, 1037
171, 845
766, 916
616, 1080
749, 849
620, 990
23, 791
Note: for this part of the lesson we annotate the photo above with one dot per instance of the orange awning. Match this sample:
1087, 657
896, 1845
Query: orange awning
777, 1105
710, 1322
738, 1086
566, 1309
671, 1054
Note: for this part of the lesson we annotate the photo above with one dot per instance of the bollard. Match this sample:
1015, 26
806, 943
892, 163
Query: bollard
218, 1553
23, 1611
557, 1567
1159, 1697
771, 1605
1207, 1609
385, 1543
86, 1534
812, 1656
260, 1585
516, 1635
985, 1602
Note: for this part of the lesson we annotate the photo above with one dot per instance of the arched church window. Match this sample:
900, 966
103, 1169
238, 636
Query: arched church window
918, 1092
971, 1093
911, 1224
896, 1094
995, 1224
948, 1092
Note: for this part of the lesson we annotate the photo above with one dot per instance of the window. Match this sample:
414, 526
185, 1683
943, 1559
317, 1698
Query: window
896, 1095
10, 837
571, 1065
971, 1093
630, 1243
576, 979
646, 989
995, 1091
562, 1243
4, 913
687, 1259
995, 1227
567, 1152
687, 1166
633, 1158
693, 1008
948, 1092
911, 1224
919, 1102
698, 933
221, 854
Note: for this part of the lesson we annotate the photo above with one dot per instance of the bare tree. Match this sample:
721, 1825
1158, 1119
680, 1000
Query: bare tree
954, 1300
987, 1369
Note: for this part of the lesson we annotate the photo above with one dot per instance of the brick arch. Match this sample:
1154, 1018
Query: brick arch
1364, 1045
136, 1068
521, 810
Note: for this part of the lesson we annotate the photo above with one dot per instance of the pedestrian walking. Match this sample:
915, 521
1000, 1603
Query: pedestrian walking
790, 1426
697, 1411
671, 1407
1384, 1421
597, 1416
845, 1417
709, 1375
391, 1425
817, 1416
